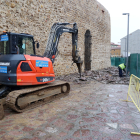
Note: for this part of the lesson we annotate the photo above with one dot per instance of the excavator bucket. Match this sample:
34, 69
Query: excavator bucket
79, 65
1, 109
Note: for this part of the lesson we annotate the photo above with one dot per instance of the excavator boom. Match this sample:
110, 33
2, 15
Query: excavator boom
52, 45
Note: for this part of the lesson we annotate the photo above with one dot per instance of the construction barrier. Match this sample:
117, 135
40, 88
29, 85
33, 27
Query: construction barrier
134, 93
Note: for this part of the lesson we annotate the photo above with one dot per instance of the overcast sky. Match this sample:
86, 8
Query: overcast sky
119, 21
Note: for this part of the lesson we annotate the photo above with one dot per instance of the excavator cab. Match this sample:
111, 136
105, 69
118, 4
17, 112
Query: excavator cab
12, 43
19, 64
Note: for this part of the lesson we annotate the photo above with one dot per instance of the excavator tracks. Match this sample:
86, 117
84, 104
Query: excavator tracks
31, 97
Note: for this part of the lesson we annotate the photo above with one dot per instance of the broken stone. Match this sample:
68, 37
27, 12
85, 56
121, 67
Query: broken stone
12, 5
88, 73
51, 130
113, 125
99, 79
83, 79
107, 75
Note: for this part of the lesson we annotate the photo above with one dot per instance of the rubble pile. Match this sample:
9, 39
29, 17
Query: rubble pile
108, 75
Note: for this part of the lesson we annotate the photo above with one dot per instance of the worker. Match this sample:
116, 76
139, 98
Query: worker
121, 68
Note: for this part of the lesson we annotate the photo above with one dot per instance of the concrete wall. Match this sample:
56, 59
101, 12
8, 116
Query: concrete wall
134, 42
37, 16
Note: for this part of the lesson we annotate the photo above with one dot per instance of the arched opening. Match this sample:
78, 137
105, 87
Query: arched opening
87, 59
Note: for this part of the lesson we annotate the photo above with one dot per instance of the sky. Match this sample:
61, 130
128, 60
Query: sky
119, 21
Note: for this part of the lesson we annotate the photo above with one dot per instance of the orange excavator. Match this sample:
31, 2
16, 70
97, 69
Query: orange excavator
28, 80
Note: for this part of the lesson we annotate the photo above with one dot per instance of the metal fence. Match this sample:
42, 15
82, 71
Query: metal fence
115, 61
133, 63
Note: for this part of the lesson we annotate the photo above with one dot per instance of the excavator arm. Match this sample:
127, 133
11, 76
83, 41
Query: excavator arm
52, 45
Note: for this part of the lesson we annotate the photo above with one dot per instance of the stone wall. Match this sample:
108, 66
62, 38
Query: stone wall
37, 16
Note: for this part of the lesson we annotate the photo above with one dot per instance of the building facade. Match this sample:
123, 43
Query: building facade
37, 16
115, 51
134, 43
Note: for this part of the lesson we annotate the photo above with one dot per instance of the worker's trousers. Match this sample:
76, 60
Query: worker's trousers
120, 72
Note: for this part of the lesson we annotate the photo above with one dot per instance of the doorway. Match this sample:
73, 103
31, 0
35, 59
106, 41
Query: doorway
87, 59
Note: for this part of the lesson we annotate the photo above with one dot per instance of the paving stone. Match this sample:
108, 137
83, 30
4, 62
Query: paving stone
70, 139
15, 133
35, 138
88, 120
126, 126
94, 126
127, 120
80, 117
102, 114
25, 138
62, 134
27, 129
7, 137
71, 117
104, 120
40, 133
107, 130
133, 137
114, 117
138, 125
60, 123
96, 134
51, 138
77, 134
126, 132
113, 111
104, 109
88, 138
85, 132
69, 127
2, 133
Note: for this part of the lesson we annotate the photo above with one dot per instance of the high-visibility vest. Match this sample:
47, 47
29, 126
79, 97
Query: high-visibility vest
122, 66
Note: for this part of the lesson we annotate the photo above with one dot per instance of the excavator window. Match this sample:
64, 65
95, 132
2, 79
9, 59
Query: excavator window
25, 45
4, 45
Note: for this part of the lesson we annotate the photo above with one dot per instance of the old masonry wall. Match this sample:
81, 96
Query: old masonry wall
37, 16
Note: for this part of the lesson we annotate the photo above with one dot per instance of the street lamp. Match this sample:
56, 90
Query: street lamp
127, 42
125, 49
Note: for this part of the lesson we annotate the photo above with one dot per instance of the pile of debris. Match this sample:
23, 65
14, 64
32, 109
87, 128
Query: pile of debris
108, 75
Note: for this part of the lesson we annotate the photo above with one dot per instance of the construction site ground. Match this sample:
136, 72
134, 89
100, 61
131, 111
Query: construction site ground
92, 111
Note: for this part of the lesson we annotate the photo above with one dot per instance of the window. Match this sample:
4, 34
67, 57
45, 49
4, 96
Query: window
25, 45
4, 44
25, 67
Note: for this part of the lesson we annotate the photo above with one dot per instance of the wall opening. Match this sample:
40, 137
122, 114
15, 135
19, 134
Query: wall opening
87, 59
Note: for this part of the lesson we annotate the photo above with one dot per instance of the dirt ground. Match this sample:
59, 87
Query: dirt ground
92, 111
